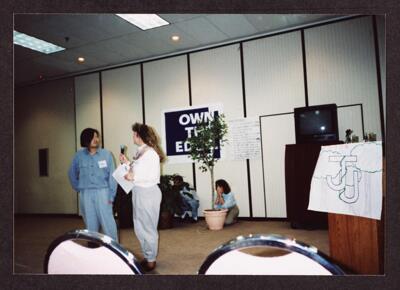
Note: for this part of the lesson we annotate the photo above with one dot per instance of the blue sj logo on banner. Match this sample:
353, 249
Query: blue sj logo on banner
180, 125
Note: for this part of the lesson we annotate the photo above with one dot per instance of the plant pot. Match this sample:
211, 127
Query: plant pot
215, 218
165, 221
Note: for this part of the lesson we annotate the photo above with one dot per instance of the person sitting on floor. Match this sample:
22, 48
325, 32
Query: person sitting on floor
190, 201
226, 199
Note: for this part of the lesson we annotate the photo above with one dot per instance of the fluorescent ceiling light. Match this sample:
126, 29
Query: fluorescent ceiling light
144, 21
35, 43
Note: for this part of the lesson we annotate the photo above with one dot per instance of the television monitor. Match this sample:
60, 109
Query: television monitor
316, 124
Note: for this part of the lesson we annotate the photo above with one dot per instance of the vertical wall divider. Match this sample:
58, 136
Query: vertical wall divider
76, 136
245, 115
303, 50
190, 104
262, 167
142, 84
101, 109
379, 80
362, 119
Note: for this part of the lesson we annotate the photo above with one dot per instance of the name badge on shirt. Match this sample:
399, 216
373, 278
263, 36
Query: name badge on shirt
102, 164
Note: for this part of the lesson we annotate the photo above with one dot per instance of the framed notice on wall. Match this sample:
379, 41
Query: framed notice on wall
180, 124
244, 139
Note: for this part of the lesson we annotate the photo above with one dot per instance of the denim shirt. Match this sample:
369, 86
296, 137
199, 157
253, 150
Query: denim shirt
229, 201
93, 171
190, 191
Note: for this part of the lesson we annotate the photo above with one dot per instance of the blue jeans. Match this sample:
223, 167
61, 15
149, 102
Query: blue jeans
191, 205
97, 211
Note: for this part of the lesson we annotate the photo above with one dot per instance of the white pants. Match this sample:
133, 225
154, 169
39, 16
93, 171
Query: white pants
146, 209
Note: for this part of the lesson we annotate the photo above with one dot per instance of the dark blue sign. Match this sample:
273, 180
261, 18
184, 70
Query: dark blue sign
180, 125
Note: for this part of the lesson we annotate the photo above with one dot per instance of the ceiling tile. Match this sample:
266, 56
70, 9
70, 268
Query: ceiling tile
175, 18
233, 25
166, 32
267, 22
302, 19
110, 25
145, 41
202, 30
21, 53
49, 27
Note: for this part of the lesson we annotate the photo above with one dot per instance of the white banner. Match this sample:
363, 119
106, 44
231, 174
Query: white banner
348, 180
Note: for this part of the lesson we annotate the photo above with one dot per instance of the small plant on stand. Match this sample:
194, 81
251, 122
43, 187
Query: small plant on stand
209, 137
348, 135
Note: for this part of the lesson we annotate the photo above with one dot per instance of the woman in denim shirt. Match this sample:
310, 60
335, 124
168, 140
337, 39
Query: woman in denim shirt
90, 174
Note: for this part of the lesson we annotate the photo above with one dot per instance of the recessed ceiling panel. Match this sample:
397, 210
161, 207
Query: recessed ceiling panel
106, 39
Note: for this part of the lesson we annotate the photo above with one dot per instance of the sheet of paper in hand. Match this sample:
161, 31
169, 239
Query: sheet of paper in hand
348, 180
119, 174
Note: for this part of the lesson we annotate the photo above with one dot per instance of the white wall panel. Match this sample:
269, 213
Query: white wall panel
44, 118
277, 131
274, 74
216, 78
166, 86
350, 118
122, 107
87, 104
274, 81
341, 67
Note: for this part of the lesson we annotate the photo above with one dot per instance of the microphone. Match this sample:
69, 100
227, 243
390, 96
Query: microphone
122, 151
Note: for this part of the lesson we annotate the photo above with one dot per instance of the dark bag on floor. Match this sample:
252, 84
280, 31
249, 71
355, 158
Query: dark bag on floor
123, 209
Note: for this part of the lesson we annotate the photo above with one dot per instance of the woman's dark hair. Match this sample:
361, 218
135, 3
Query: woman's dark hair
179, 183
222, 183
87, 136
177, 179
149, 137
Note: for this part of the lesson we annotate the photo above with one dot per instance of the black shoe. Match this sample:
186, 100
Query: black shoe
143, 263
193, 221
148, 266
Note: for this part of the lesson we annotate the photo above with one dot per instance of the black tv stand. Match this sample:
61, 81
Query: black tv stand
300, 161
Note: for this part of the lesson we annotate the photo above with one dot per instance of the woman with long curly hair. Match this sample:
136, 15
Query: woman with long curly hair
146, 195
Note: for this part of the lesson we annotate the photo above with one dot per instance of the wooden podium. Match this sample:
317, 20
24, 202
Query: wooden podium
356, 243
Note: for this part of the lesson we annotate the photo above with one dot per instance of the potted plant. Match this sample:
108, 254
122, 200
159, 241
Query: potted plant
170, 202
208, 137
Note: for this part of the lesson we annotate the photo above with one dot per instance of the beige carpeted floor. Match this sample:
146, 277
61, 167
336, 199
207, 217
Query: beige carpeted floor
182, 249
